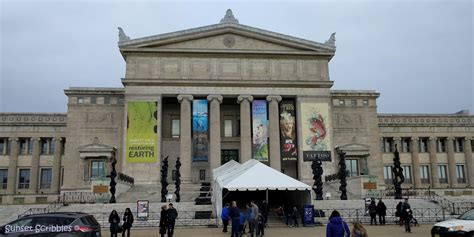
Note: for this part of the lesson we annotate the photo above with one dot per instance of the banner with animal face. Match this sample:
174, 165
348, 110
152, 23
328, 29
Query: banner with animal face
316, 131
289, 151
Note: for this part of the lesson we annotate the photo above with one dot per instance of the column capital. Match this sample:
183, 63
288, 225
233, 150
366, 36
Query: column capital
276, 98
433, 138
415, 138
58, 139
16, 139
467, 139
36, 139
450, 138
241, 98
397, 139
218, 98
185, 97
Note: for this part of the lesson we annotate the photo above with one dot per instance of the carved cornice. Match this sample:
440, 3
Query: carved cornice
425, 120
33, 119
241, 98
218, 98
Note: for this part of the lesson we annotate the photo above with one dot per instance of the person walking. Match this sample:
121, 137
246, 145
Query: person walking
235, 217
127, 222
253, 217
260, 225
172, 215
358, 230
295, 215
248, 216
114, 220
288, 211
408, 217
265, 210
225, 217
404, 207
163, 220
373, 213
337, 227
398, 213
381, 212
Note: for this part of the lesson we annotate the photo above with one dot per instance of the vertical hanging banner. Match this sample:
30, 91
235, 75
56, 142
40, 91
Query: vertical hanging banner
288, 145
200, 130
142, 140
315, 127
260, 130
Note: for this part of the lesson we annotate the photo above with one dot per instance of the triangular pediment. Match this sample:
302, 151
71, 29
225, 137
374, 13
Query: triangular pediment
229, 38
355, 149
96, 146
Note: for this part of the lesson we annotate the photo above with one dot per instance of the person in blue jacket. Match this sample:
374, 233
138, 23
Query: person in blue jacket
337, 227
225, 217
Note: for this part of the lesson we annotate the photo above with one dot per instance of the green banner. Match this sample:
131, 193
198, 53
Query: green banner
141, 132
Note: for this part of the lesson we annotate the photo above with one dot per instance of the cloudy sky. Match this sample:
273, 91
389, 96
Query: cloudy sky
418, 54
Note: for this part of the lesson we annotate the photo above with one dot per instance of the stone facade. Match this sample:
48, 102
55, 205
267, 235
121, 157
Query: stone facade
230, 65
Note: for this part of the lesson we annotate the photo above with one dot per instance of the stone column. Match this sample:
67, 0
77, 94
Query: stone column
245, 128
415, 162
56, 172
453, 181
469, 163
274, 134
214, 131
35, 160
12, 166
433, 163
185, 142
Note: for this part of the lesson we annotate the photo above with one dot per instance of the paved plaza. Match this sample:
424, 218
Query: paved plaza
373, 231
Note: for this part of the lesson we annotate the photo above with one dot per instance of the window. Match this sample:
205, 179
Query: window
353, 103
388, 145
228, 128
459, 144
46, 176
424, 174
63, 145
442, 173
93, 100
407, 173
365, 102
460, 174
406, 144
24, 181
423, 145
3, 145
351, 168
175, 128
106, 100
202, 174
441, 145
23, 146
387, 174
342, 102
97, 168
47, 146
3, 178
30, 146
80, 100
227, 155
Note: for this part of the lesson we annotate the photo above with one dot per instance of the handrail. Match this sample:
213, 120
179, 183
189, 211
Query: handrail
52, 207
125, 178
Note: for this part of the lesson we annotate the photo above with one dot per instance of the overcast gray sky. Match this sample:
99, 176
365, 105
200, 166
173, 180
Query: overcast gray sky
417, 54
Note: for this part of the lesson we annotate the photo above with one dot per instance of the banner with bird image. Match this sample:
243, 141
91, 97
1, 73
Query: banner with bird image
316, 129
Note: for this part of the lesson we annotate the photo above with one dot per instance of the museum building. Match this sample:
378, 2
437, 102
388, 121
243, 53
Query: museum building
226, 92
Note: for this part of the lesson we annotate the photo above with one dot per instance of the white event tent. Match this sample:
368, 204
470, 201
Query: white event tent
254, 176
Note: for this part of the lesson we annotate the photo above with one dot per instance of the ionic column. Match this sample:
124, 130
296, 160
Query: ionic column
185, 143
469, 163
245, 128
453, 181
433, 163
274, 126
12, 166
35, 160
415, 162
56, 179
215, 131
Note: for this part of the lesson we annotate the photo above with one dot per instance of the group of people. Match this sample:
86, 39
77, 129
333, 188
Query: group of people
375, 210
292, 215
253, 216
168, 217
116, 227
405, 214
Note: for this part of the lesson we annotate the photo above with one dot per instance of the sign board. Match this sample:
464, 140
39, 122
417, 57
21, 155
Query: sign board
316, 156
143, 208
308, 218
370, 185
100, 189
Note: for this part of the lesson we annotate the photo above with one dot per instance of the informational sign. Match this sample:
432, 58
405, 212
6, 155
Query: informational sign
100, 189
315, 127
370, 185
308, 218
260, 130
288, 145
141, 132
200, 131
143, 210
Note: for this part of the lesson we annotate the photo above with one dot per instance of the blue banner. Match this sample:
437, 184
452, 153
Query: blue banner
200, 130
308, 218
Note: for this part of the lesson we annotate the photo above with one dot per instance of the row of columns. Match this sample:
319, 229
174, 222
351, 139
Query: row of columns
432, 149
34, 167
245, 102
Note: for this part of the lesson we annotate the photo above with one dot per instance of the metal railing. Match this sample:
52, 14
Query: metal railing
84, 197
52, 207
125, 178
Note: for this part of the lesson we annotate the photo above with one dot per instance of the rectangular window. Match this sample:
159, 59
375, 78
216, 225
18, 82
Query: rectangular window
352, 168
442, 173
353, 103
24, 181
365, 102
388, 145
93, 100
3, 178
46, 176
407, 173
97, 169
106, 100
228, 128
80, 100
44, 146
460, 174
227, 155
459, 144
423, 145
30, 146
51, 146
406, 144
63, 145
202, 174
175, 128
441, 145
3, 145
387, 174
342, 102
23, 146
425, 174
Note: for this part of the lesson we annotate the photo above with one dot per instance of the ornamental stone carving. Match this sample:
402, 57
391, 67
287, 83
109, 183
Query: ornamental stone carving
229, 18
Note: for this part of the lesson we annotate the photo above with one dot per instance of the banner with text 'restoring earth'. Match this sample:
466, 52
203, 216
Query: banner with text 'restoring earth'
141, 132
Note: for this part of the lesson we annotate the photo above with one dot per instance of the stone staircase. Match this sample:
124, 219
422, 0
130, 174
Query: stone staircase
333, 188
152, 193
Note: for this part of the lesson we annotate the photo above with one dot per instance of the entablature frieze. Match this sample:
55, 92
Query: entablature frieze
22, 119
425, 120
